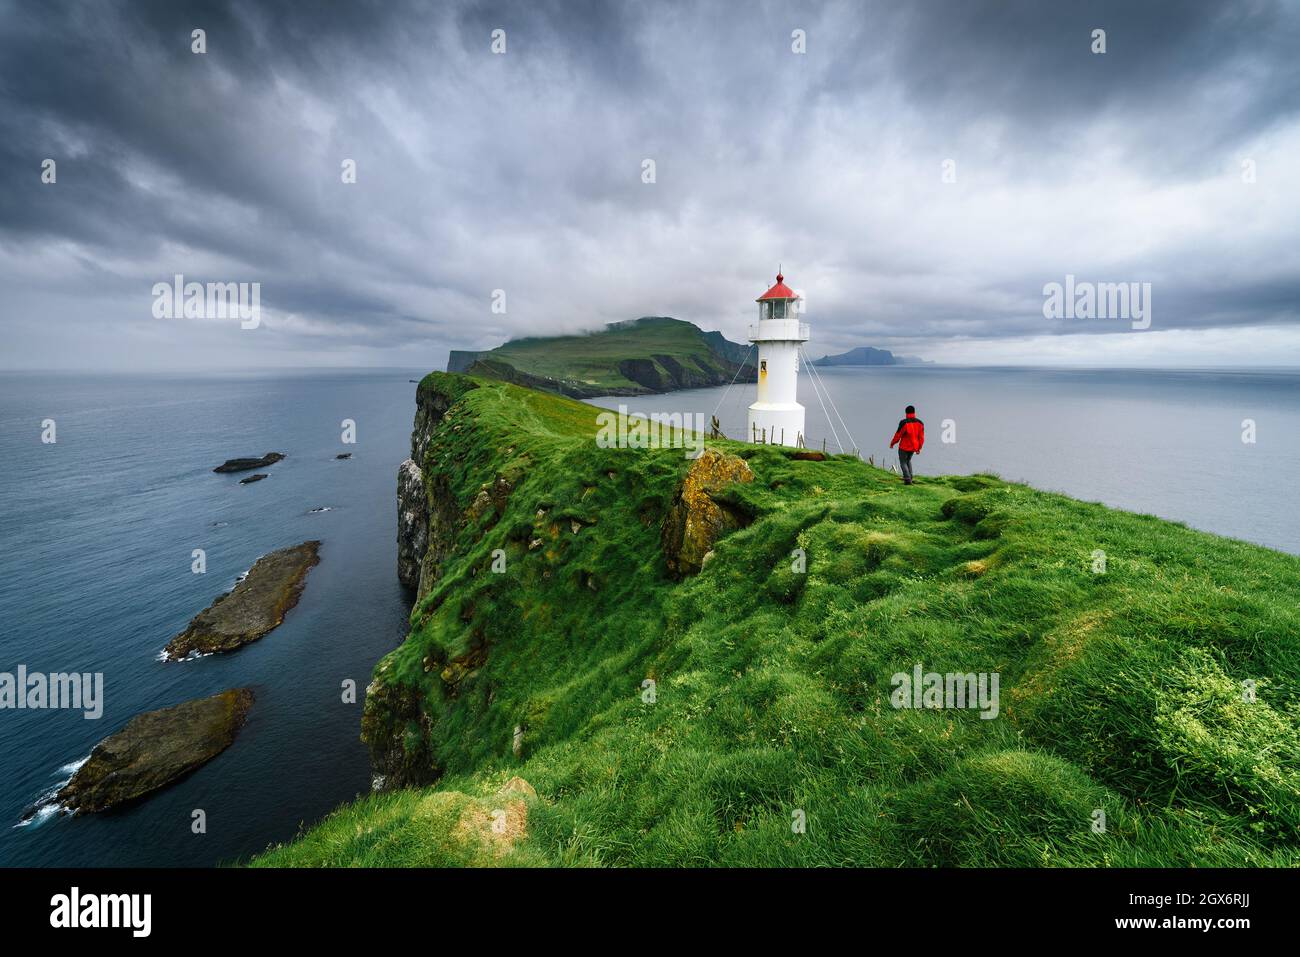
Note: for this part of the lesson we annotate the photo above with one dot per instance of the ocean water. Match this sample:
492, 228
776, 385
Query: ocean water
1168, 443
96, 536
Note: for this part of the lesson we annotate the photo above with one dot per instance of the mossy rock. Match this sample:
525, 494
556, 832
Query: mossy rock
698, 517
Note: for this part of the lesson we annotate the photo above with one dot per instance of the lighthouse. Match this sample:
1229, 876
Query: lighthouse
776, 416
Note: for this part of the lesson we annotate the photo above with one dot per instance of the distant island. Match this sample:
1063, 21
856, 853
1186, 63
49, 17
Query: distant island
637, 357
868, 356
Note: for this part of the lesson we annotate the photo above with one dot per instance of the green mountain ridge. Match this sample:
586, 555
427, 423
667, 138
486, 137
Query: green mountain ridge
563, 699
636, 357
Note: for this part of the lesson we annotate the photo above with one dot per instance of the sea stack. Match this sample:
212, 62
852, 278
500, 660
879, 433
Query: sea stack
248, 464
255, 606
155, 749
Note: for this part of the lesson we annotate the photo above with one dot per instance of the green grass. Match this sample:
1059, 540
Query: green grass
1120, 691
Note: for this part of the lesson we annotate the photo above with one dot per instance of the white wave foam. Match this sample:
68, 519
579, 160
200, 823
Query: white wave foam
45, 806
39, 816
192, 656
71, 768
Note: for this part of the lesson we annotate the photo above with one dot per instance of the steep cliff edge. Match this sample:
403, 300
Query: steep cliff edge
412, 523
425, 507
667, 684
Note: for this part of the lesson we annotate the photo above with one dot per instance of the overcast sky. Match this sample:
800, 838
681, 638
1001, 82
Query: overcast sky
523, 171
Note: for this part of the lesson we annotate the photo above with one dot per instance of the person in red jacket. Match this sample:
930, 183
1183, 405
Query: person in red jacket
909, 438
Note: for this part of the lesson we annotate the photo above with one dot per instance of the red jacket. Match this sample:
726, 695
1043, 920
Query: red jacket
910, 436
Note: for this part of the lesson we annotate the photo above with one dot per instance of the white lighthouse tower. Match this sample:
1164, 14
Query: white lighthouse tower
776, 416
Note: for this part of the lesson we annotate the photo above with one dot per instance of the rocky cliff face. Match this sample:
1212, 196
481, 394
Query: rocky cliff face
423, 509
427, 517
459, 360
431, 404
412, 523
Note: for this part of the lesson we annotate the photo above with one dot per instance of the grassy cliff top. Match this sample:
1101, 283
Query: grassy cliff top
1120, 690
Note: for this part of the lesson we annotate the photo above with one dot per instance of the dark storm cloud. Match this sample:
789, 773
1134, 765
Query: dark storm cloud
1026, 63
523, 171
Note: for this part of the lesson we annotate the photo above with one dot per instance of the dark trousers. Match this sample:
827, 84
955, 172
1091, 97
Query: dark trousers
905, 464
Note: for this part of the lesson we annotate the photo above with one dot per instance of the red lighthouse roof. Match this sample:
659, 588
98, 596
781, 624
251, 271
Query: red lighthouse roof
779, 291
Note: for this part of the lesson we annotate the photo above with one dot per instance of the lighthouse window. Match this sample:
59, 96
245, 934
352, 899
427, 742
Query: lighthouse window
778, 309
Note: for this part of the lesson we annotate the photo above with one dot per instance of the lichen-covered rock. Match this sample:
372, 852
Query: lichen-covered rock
695, 520
412, 523
492, 498
154, 749
465, 665
395, 729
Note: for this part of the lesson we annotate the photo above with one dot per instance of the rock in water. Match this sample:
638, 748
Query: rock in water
247, 465
255, 606
344, 455
412, 523
253, 478
695, 521
154, 749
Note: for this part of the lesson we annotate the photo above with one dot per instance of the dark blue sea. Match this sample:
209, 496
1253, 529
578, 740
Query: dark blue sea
96, 536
